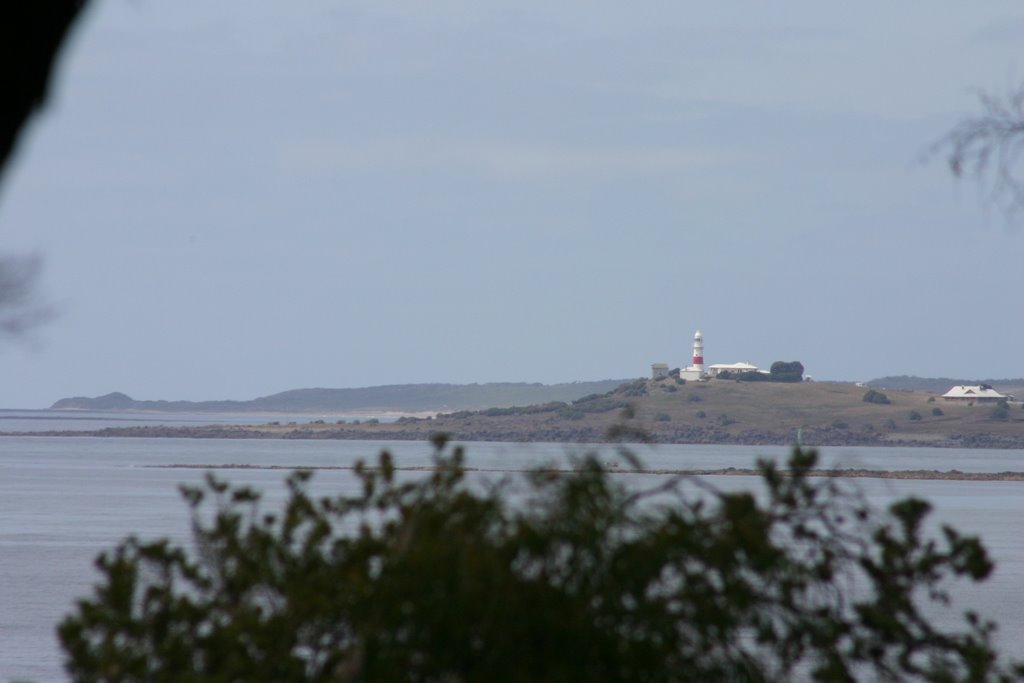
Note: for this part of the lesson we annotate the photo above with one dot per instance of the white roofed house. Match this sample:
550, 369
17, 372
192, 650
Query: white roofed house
731, 368
978, 393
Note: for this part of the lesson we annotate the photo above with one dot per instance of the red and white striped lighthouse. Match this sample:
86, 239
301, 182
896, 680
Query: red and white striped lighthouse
698, 351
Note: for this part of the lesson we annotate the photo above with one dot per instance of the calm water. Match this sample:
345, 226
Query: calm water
63, 500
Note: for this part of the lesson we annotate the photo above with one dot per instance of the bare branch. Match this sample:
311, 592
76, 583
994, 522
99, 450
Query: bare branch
20, 309
989, 144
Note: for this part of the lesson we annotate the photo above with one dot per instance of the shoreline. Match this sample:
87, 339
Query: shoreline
851, 473
550, 434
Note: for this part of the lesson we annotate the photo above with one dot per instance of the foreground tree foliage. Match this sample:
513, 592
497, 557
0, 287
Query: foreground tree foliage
555, 576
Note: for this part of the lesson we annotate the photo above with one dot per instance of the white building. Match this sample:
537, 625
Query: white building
732, 368
659, 370
697, 370
966, 393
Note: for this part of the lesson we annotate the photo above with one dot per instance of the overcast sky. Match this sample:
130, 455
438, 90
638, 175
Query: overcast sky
239, 198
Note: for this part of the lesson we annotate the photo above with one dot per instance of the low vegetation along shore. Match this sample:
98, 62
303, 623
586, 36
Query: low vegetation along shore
613, 468
671, 411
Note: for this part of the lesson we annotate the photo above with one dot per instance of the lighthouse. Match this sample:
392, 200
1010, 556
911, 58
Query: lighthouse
698, 352
695, 370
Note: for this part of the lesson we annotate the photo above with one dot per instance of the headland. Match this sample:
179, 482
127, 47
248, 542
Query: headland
669, 410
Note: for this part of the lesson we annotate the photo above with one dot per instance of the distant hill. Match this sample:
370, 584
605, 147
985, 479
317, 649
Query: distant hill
408, 398
939, 385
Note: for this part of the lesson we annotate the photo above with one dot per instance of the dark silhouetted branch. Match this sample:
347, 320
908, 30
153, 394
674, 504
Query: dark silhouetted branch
31, 35
20, 309
989, 144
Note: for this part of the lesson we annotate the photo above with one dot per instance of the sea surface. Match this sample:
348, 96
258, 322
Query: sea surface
63, 500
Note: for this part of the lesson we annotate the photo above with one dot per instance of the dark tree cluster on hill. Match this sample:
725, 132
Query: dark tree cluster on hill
874, 396
560, 576
750, 377
780, 371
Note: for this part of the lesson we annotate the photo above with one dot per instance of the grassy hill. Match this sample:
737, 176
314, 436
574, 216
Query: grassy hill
823, 413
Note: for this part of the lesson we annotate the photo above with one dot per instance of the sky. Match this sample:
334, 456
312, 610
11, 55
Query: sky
238, 198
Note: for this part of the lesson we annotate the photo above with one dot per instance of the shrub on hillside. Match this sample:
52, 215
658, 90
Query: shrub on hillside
914, 415
663, 417
754, 377
873, 396
635, 388
549, 407
937, 412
